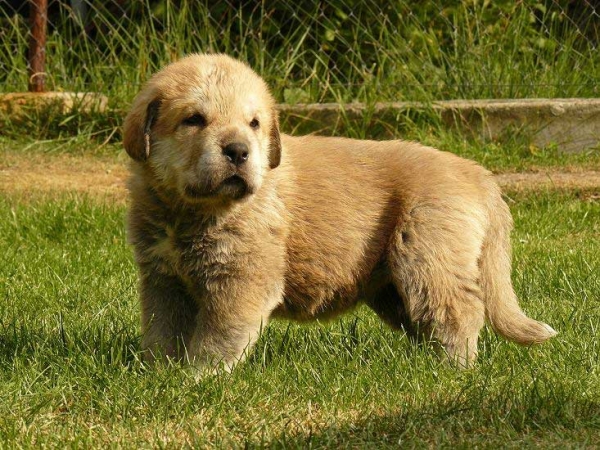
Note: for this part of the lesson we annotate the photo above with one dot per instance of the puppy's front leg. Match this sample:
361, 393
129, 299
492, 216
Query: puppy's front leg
228, 325
168, 315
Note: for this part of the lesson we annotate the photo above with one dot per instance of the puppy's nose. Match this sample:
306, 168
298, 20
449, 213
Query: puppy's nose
236, 152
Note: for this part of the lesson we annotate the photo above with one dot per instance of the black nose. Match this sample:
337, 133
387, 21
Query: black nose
236, 152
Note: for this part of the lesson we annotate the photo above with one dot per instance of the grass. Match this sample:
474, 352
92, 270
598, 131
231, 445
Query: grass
71, 370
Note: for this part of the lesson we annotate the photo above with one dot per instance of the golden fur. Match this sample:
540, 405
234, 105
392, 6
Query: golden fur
302, 227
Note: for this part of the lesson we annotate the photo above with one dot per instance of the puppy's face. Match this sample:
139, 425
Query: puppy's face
206, 127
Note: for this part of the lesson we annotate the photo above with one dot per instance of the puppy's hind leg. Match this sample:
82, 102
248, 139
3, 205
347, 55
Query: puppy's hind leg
433, 259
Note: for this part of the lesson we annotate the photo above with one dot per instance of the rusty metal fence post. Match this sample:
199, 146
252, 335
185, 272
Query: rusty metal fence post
38, 15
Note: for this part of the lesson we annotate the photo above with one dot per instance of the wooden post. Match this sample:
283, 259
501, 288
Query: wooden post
38, 15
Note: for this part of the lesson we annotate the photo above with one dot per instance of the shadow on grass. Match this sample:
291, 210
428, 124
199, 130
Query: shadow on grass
554, 423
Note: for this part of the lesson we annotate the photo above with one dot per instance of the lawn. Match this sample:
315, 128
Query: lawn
71, 370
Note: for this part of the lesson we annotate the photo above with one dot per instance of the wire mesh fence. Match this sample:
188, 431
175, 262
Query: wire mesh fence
313, 51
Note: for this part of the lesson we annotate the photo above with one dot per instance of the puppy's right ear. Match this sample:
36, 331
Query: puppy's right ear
275, 141
137, 130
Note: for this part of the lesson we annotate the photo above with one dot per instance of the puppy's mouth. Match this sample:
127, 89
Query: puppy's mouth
233, 187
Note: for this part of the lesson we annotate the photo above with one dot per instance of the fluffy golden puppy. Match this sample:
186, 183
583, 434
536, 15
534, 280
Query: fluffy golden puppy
234, 223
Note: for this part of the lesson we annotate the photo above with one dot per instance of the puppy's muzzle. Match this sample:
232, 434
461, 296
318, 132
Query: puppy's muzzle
236, 153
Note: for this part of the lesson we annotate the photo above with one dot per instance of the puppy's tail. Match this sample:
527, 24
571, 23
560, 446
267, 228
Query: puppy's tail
502, 307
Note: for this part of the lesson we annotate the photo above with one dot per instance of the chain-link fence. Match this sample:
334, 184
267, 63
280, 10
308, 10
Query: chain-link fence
313, 51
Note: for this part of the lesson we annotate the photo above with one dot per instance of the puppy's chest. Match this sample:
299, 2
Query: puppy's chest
199, 255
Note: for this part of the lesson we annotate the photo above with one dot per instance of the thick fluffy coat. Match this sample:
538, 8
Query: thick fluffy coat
234, 223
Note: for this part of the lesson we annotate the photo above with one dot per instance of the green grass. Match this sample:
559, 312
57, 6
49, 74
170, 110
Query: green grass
71, 371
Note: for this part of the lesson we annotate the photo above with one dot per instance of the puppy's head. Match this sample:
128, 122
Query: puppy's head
207, 128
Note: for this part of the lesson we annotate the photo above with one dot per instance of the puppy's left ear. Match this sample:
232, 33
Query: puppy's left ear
274, 142
137, 128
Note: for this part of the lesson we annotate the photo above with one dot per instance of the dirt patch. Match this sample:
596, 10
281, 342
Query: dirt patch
34, 174
550, 179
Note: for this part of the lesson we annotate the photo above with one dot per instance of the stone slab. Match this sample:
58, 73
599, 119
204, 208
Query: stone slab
22, 103
572, 125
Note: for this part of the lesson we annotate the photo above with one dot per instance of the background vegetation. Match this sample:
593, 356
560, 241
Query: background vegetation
340, 51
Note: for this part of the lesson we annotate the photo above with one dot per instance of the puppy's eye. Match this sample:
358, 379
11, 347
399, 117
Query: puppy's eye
254, 124
195, 120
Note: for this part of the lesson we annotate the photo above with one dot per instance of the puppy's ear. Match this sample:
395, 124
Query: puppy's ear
137, 128
274, 142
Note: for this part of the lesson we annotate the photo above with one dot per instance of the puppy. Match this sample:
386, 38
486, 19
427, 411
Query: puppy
234, 223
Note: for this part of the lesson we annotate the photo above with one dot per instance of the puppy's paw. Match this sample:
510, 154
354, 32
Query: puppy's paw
202, 367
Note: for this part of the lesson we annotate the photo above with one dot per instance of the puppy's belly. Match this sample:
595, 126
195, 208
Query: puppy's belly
303, 306
335, 262
312, 294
